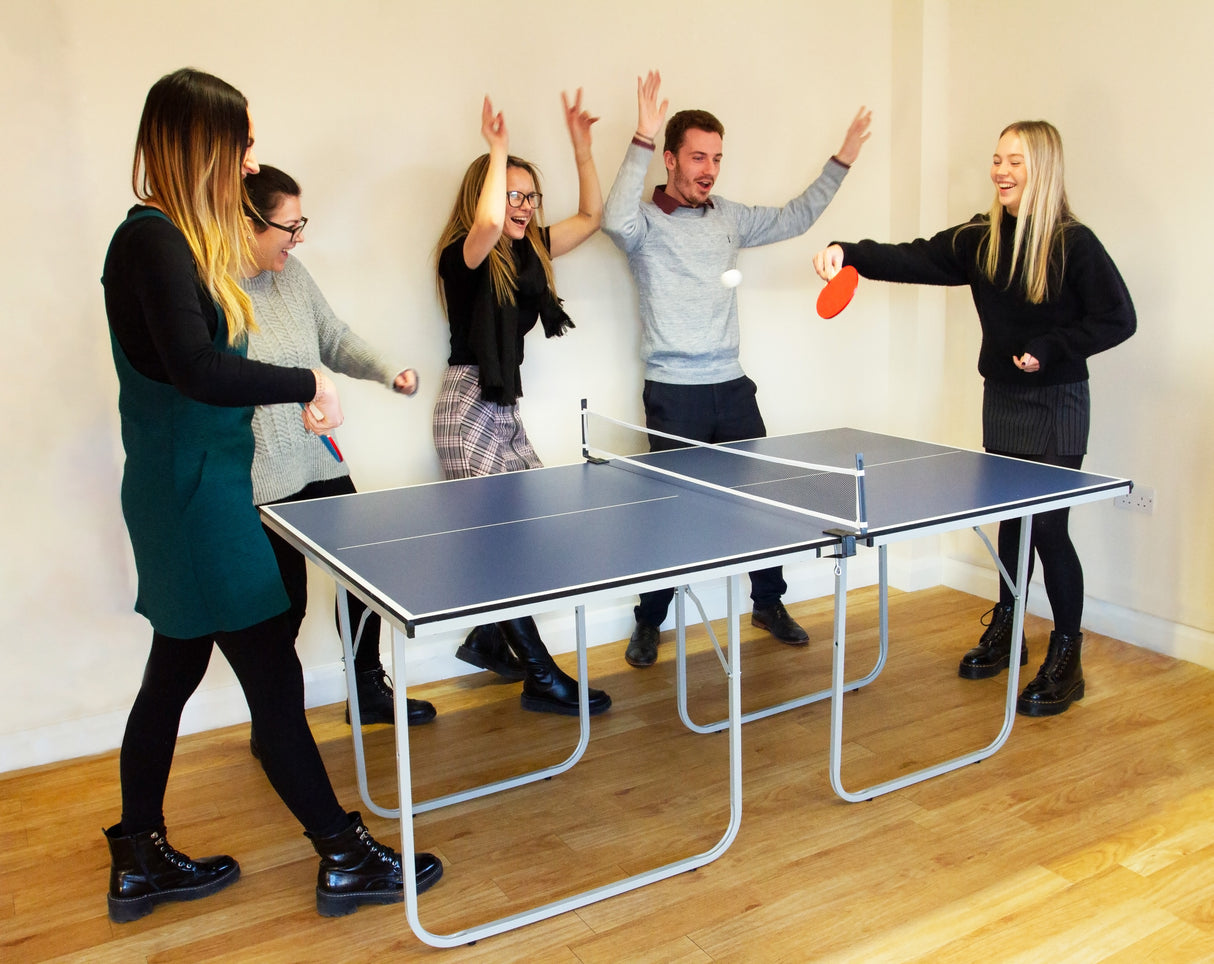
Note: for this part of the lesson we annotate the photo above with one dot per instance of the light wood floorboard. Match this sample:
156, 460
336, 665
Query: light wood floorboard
1088, 837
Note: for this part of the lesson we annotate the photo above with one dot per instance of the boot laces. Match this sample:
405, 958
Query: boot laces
170, 853
381, 852
380, 679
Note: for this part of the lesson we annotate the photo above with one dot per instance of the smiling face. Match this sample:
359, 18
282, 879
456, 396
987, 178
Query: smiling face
1009, 172
517, 219
272, 246
693, 170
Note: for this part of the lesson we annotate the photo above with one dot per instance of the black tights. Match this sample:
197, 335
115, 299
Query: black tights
1061, 570
264, 660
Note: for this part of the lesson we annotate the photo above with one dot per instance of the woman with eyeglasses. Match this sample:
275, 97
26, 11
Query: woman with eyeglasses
296, 326
495, 280
178, 321
1048, 297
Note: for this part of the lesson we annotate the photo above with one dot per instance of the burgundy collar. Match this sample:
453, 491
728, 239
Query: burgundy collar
668, 204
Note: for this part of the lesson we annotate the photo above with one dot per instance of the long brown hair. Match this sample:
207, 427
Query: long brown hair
192, 140
1040, 237
502, 270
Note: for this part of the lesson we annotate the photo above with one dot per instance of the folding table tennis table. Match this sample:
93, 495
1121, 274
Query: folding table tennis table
612, 526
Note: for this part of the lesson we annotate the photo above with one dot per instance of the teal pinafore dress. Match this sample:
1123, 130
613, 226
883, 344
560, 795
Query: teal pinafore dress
203, 561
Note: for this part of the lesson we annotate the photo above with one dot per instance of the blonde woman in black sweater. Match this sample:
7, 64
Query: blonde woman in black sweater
1048, 296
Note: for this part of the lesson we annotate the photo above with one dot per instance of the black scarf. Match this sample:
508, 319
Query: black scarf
496, 331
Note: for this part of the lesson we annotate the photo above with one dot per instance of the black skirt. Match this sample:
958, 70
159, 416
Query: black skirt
1036, 419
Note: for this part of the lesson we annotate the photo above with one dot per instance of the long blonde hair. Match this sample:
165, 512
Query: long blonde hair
192, 140
502, 270
1039, 239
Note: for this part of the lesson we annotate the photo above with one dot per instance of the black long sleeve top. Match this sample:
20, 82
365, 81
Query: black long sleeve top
1087, 310
165, 321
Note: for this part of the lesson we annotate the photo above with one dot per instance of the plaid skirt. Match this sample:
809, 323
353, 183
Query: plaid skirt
474, 437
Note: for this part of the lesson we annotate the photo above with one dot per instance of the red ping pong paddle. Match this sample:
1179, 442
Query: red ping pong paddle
838, 292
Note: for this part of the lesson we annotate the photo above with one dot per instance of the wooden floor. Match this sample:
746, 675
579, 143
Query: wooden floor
1088, 837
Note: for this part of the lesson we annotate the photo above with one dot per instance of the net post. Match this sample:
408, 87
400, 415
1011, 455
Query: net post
585, 434
861, 502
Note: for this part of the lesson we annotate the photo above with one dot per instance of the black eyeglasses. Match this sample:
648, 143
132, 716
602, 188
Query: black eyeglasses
295, 231
516, 198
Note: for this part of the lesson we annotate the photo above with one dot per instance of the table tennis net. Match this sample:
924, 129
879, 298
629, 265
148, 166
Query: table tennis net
826, 492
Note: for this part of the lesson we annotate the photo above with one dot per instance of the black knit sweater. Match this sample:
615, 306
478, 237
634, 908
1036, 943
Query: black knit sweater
1087, 309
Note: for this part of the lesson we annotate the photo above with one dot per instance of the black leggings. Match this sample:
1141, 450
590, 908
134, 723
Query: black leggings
1061, 570
263, 658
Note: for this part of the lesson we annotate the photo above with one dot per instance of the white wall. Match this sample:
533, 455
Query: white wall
374, 107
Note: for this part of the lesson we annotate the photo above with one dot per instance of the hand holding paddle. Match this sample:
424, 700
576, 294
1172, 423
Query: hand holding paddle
841, 281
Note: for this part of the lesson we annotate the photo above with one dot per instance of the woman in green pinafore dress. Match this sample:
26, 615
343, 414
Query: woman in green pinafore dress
207, 575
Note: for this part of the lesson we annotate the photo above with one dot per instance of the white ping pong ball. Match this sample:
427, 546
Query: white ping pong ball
731, 278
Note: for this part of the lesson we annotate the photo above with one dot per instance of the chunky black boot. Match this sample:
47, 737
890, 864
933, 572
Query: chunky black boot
546, 689
1059, 682
356, 869
994, 650
146, 871
376, 700
486, 647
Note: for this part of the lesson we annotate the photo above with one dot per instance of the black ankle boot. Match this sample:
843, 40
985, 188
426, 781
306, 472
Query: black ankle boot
486, 647
356, 869
146, 871
994, 650
376, 700
1059, 682
546, 689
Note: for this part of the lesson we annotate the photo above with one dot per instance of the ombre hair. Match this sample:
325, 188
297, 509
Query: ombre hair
189, 152
502, 270
1039, 240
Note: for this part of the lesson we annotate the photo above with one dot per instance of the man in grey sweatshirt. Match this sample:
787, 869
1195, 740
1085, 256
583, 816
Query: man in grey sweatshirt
678, 247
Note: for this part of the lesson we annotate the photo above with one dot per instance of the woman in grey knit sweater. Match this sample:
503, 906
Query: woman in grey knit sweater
295, 322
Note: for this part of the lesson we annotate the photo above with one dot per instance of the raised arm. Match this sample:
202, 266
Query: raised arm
568, 234
491, 206
622, 221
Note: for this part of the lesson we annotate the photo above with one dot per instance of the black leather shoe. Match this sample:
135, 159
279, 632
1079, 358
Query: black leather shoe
1059, 682
994, 650
485, 647
376, 701
642, 648
775, 620
547, 689
145, 870
356, 869
427, 869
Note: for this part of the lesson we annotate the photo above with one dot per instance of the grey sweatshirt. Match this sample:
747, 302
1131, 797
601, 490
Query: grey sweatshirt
297, 327
689, 318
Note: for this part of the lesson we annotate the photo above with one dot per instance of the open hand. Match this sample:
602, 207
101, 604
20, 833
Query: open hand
650, 114
857, 134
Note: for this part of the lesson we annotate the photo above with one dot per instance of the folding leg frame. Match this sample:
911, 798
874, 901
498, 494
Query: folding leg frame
681, 658
408, 808
1019, 588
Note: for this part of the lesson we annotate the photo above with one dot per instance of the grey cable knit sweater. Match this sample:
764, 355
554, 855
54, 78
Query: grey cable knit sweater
690, 319
297, 327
